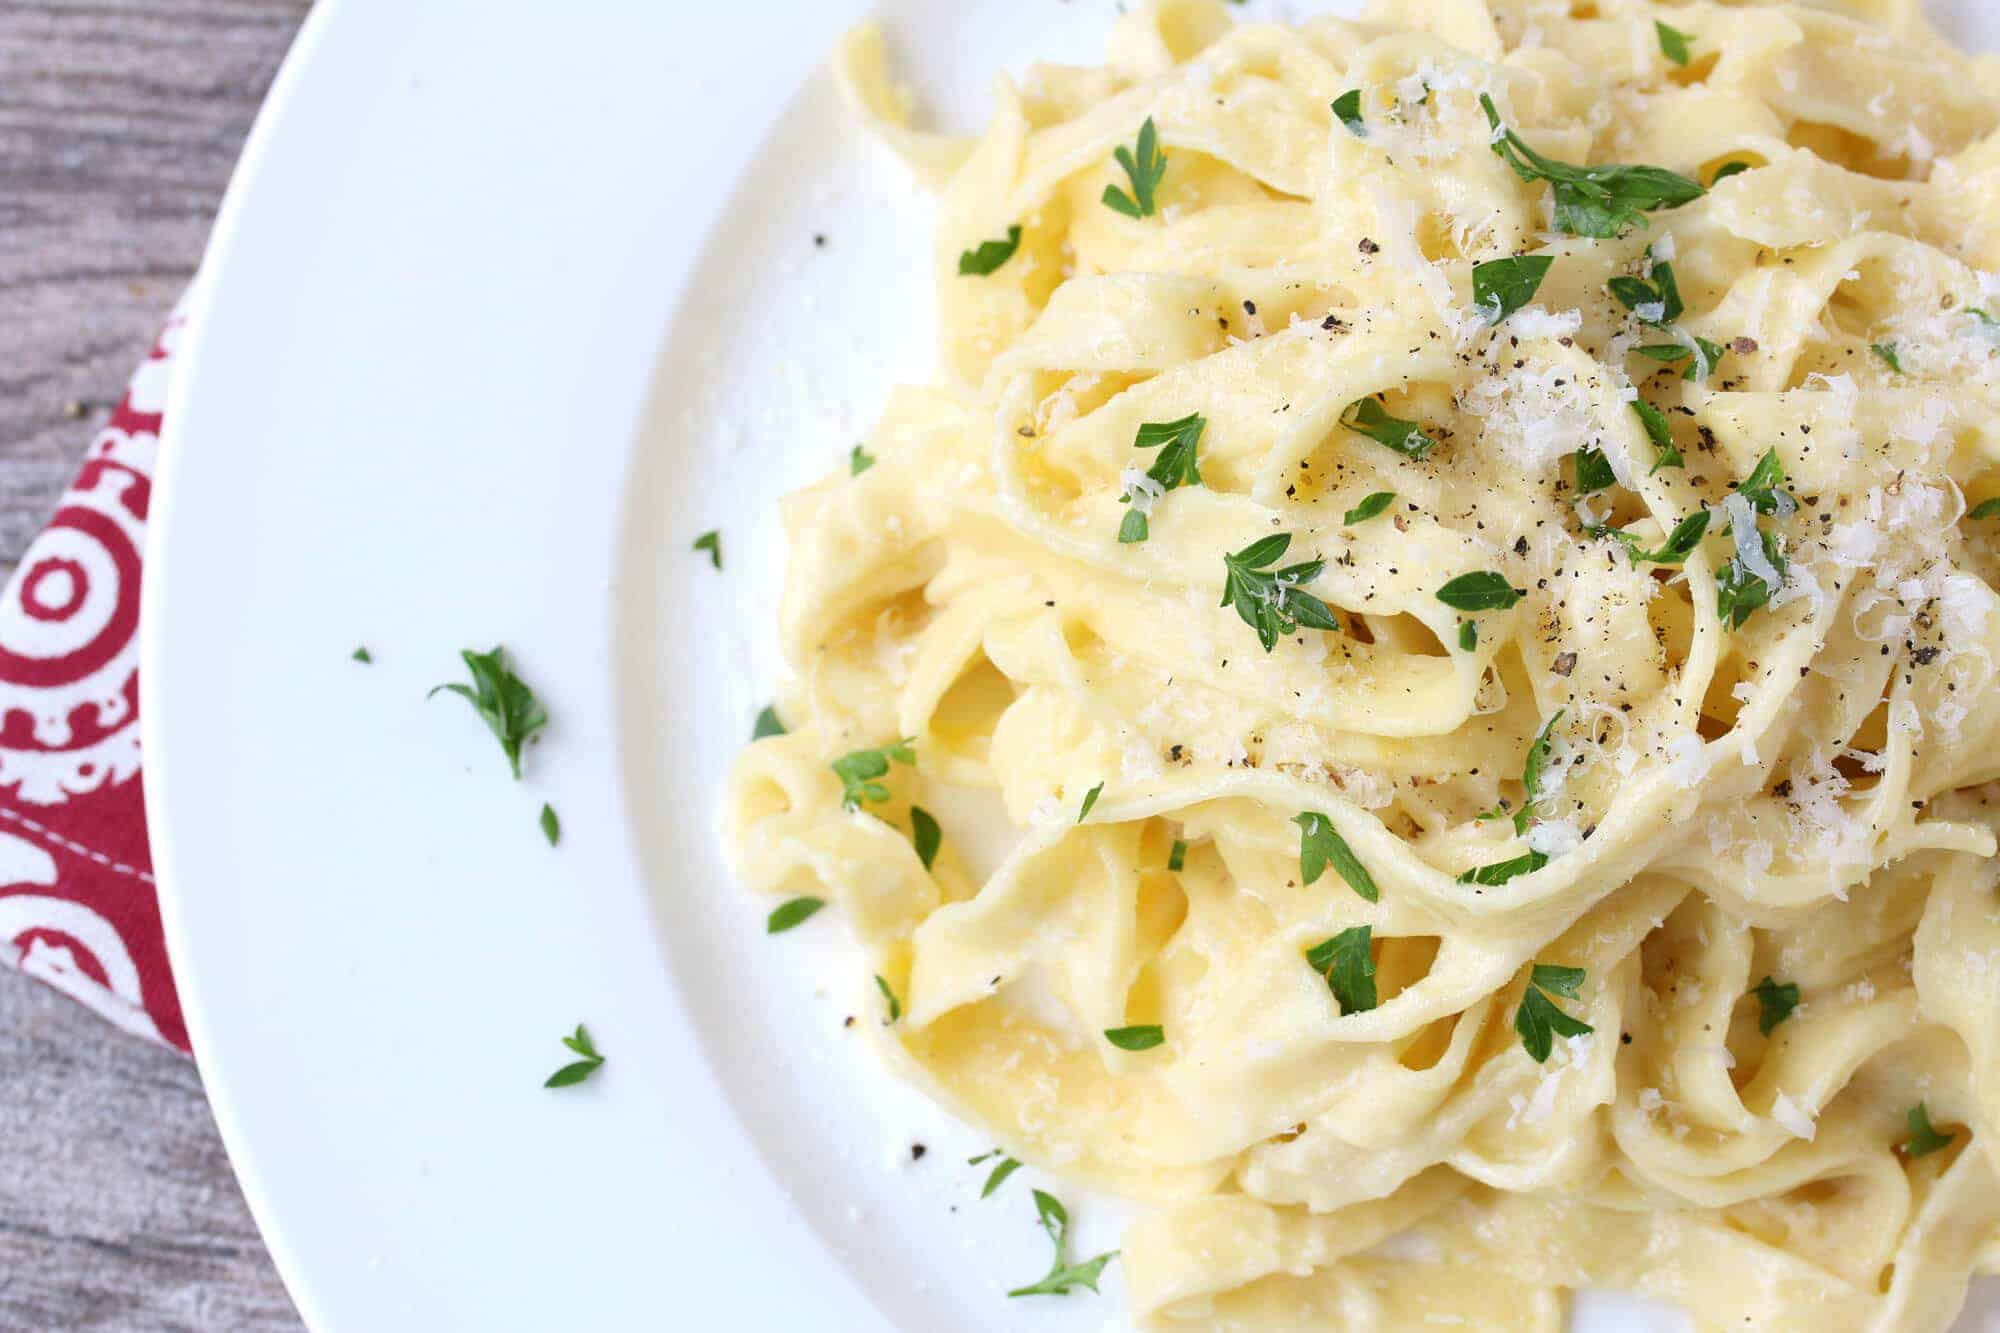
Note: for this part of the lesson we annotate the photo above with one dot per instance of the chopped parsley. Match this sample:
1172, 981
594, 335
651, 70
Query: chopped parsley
1740, 589
1347, 109
1593, 472
1468, 635
1889, 354
1144, 168
1176, 465
503, 701
711, 542
988, 256
1673, 42
1347, 961
1367, 416
1369, 507
1985, 508
1655, 300
1320, 846
925, 835
1483, 590
767, 724
889, 998
1491, 876
1774, 1002
1660, 433
1089, 800
1602, 201
1177, 855
1271, 601
1144, 1037
1539, 1019
1063, 1276
551, 825
1702, 359
859, 460
577, 1070
1733, 167
363, 656
1923, 1140
1680, 543
859, 769
1502, 286
791, 913
998, 1175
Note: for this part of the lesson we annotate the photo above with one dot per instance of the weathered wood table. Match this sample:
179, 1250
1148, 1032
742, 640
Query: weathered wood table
119, 123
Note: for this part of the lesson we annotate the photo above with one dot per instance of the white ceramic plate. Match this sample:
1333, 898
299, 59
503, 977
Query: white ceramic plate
509, 301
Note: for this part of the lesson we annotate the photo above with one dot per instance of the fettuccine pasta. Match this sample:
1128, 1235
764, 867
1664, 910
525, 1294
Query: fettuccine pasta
1462, 546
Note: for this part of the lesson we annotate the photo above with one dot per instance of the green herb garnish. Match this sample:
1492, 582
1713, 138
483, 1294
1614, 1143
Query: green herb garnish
1272, 602
889, 997
1889, 354
1923, 1140
1176, 465
1177, 855
859, 460
767, 724
1320, 846
859, 769
551, 825
1347, 109
1468, 636
1735, 167
982, 260
1502, 286
711, 542
1660, 290
503, 701
1483, 590
363, 656
1593, 472
791, 913
1366, 416
1089, 799
1369, 507
998, 1175
1144, 169
1491, 876
1347, 961
1673, 42
577, 1070
1775, 1002
1063, 1276
1539, 1020
1603, 201
925, 834
1141, 1038
1680, 543
1985, 508
1660, 433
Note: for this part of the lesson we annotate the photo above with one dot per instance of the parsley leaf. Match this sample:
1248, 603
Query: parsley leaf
858, 770
1347, 109
1602, 201
1680, 543
1702, 361
1593, 472
1660, 433
711, 542
551, 825
1366, 416
1347, 961
1673, 42
1369, 507
1176, 465
1177, 855
1776, 1003
1539, 1020
767, 724
1531, 768
1320, 846
859, 460
1762, 488
1985, 508
363, 656
1063, 1276
1144, 1037
1272, 603
577, 1070
503, 701
998, 1175
1923, 1140
1739, 592
1889, 354
1661, 290
1468, 636
1502, 286
925, 834
1735, 167
989, 255
1500, 872
889, 996
1480, 591
1144, 169
1089, 799
790, 913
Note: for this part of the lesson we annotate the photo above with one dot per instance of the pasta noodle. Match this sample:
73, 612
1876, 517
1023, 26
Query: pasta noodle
1576, 869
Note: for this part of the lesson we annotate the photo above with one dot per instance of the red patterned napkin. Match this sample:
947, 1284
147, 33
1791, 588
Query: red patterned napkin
77, 905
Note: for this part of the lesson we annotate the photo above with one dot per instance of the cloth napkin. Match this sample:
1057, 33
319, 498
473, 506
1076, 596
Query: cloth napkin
78, 905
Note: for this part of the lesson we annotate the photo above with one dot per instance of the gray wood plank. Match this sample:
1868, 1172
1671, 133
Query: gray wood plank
119, 123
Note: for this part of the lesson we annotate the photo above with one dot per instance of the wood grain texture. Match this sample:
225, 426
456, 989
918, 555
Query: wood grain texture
119, 123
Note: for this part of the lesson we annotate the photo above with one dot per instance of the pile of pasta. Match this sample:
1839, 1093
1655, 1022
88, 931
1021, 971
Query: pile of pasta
1660, 694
